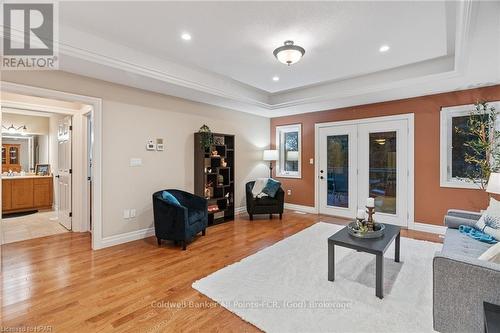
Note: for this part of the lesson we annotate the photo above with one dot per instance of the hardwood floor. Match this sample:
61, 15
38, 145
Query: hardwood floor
60, 283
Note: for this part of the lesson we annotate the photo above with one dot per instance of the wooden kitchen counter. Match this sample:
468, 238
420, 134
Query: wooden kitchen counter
25, 193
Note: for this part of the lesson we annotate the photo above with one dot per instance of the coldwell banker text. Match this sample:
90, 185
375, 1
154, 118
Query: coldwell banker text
30, 36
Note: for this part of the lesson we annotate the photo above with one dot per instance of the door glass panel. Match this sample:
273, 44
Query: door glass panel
383, 171
338, 170
292, 151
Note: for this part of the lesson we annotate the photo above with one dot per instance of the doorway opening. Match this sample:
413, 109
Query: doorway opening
45, 175
366, 158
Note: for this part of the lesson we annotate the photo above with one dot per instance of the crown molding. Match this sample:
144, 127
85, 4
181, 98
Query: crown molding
215, 89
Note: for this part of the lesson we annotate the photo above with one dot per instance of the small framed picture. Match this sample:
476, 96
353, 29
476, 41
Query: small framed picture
42, 169
218, 140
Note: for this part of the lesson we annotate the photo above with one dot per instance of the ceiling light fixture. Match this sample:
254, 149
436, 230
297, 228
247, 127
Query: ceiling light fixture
276, 78
384, 48
186, 36
289, 53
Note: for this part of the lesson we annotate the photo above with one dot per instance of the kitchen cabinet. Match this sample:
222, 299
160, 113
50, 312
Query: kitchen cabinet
25, 193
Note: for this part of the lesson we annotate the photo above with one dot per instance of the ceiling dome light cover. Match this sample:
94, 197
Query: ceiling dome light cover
289, 54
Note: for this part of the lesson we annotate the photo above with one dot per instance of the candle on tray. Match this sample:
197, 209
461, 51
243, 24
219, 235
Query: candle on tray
370, 202
361, 214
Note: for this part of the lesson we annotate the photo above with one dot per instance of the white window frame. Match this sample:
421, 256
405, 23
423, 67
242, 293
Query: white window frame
280, 134
446, 131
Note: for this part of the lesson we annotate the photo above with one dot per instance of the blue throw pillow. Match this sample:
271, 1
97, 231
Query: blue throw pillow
271, 187
168, 197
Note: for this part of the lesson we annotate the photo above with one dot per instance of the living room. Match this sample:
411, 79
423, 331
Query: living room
273, 166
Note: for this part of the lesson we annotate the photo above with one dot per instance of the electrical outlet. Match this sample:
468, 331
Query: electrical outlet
126, 213
132, 213
289, 192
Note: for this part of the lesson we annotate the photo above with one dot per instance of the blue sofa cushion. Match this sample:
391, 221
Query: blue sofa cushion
271, 187
195, 215
168, 197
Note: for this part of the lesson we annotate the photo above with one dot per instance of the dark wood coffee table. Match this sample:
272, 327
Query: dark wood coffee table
376, 246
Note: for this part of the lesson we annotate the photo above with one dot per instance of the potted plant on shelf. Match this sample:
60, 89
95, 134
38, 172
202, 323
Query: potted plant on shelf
206, 137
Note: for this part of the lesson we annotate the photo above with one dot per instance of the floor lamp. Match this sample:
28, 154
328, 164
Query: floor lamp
494, 183
270, 155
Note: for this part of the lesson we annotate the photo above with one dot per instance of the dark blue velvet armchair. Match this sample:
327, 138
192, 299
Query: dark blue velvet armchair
179, 224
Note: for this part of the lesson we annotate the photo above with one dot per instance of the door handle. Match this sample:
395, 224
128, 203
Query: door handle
58, 176
321, 177
321, 171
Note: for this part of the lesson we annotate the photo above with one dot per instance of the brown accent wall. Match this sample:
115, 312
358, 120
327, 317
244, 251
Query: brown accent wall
431, 200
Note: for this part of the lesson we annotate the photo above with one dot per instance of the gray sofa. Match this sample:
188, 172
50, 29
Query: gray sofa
461, 281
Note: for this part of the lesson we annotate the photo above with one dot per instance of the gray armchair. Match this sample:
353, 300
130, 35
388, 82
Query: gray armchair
461, 281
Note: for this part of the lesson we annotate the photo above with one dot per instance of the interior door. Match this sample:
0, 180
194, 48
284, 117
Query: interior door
64, 172
383, 169
337, 170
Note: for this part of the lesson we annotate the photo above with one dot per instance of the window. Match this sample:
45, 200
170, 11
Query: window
288, 142
454, 168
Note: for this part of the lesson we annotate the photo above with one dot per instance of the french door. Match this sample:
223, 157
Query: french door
361, 160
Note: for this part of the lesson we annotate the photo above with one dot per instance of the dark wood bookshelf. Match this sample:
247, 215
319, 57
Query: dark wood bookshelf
209, 173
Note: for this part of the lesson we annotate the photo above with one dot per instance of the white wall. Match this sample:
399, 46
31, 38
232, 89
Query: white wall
34, 124
131, 117
43, 149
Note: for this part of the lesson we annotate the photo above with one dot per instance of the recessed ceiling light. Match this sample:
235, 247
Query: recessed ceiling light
186, 36
384, 48
276, 78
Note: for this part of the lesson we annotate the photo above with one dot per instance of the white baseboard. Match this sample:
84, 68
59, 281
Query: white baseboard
239, 210
127, 237
435, 229
300, 208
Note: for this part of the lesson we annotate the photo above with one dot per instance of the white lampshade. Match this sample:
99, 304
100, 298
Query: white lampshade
494, 183
292, 156
270, 155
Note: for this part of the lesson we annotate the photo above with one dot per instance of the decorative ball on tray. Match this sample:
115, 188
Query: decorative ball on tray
365, 226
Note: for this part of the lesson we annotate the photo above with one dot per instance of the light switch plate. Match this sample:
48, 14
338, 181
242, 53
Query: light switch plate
132, 212
311, 161
126, 213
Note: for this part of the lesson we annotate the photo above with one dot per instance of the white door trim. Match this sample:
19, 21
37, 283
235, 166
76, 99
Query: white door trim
80, 178
410, 117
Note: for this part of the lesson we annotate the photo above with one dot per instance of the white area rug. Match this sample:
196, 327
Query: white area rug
284, 288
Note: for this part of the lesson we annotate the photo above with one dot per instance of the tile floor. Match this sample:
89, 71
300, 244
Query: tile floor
15, 229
